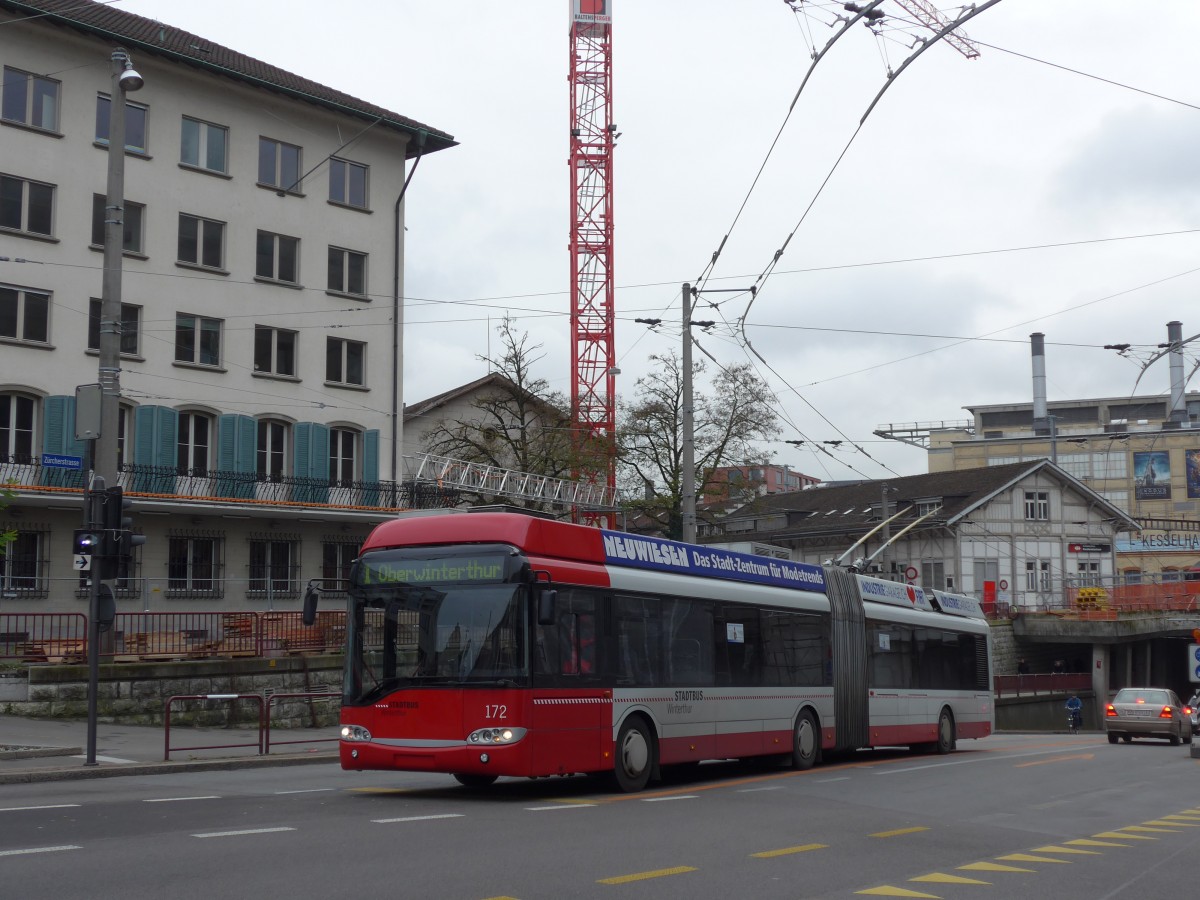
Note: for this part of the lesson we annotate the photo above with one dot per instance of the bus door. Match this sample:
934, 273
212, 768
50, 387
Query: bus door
571, 720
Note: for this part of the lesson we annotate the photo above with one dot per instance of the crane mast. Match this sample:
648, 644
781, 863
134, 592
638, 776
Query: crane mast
593, 398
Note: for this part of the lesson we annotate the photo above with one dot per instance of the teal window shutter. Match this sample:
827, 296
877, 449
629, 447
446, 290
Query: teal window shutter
58, 439
310, 457
371, 467
236, 435
156, 433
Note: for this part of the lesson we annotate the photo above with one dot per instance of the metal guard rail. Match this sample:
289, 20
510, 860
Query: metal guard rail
263, 742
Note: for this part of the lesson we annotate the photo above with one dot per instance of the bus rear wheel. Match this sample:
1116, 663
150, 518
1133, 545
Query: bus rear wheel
945, 732
806, 742
474, 781
635, 755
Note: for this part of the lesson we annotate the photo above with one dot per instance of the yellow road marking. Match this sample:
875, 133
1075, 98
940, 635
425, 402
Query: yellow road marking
888, 891
1086, 842
767, 854
642, 876
943, 878
1055, 759
898, 831
1151, 830
1029, 857
992, 867
1187, 817
1124, 837
1054, 849
1173, 824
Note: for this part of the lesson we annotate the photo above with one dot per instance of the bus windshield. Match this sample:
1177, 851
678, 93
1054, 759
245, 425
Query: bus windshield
403, 635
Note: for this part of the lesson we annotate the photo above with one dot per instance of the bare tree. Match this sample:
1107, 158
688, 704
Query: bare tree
728, 422
515, 421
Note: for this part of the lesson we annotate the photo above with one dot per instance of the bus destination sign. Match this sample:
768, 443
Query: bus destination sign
709, 562
380, 569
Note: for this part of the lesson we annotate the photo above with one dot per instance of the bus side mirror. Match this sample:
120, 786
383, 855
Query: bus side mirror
309, 615
545, 606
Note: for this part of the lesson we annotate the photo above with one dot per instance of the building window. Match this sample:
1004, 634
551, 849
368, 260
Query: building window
342, 445
26, 206
131, 216
274, 569
348, 183
131, 317
347, 272
197, 340
336, 557
201, 241
16, 428
278, 164
344, 361
1037, 575
1037, 505
933, 575
24, 314
1171, 575
271, 455
21, 565
194, 444
1088, 573
274, 350
202, 145
193, 566
278, 257
135, 124
1132, 576
30, 100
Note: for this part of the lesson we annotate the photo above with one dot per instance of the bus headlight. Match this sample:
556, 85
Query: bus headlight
355, 733
495, 736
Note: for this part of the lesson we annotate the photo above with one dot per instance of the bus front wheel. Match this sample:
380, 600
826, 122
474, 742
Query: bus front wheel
806, 743
635, 755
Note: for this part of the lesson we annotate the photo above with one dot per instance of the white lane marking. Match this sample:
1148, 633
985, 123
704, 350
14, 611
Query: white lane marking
680, 797
983, 757
561, 806
418, 818
306, 791
240, 833
829, 780
40, 850
178, 799
757, 789
24, 808
108, 759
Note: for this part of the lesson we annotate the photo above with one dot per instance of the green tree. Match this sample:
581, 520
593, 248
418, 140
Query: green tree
729, 421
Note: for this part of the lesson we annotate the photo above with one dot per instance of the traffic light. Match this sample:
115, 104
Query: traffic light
88, 542
119, 539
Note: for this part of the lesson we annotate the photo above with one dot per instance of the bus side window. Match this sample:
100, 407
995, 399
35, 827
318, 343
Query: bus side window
577, 643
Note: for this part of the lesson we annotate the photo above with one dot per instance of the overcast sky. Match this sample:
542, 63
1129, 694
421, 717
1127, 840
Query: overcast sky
901, 297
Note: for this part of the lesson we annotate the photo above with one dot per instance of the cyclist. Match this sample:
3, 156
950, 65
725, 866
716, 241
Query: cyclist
1074, 713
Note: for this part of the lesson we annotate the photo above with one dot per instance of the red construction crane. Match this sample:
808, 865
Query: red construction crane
593, 381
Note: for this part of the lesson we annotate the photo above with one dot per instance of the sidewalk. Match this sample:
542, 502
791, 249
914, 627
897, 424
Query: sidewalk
55, 750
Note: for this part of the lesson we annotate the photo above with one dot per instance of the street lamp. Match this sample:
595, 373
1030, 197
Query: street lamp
104, 455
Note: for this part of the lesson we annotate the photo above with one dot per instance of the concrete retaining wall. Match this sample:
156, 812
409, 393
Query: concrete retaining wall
136, 693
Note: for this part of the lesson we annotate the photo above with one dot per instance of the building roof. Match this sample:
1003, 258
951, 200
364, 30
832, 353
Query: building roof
855, 508
159, 39
470, 389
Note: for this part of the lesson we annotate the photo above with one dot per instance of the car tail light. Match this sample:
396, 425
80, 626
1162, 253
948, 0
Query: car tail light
1187, 710
1109, 710
1167, 713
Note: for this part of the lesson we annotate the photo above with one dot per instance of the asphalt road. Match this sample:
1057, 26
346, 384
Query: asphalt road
1010, 816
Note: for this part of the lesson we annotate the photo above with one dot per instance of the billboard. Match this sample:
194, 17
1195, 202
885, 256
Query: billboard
1152, 475
1192, 463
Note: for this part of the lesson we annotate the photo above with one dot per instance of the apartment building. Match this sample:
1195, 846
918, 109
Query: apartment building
261, 401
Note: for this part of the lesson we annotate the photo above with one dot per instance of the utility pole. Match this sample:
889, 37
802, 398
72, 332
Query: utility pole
688, 476
104, 454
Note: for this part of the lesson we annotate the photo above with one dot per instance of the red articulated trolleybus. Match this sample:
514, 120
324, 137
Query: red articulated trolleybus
488, 644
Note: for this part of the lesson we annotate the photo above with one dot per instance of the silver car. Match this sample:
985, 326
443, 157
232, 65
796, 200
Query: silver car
1147, 712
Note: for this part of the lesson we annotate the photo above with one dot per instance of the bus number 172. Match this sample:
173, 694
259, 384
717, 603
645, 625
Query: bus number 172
499, 711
